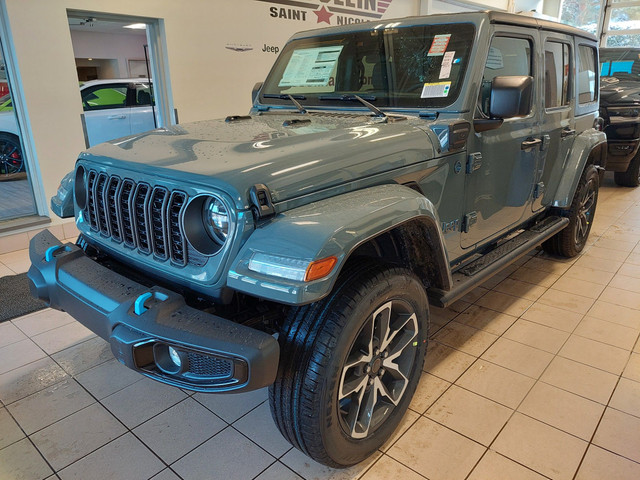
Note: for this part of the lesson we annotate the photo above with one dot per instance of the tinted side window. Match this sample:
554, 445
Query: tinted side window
587, 88
508, 56
143, 94
557, 70
104, 96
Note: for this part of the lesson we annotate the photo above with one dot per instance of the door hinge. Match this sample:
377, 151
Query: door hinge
546, 140
474, 162
468, 221
538, 190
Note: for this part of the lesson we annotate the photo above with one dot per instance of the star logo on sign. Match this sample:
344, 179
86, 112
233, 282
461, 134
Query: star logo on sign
323, 15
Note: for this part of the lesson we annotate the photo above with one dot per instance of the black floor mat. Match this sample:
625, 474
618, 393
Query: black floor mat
15, 298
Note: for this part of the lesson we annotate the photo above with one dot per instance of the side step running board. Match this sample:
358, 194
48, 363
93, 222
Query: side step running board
473, 274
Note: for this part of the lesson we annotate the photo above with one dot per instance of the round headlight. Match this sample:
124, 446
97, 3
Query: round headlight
216, 218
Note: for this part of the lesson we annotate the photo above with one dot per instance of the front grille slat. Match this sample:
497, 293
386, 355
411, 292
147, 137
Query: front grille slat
101, 207
177, 243
113, 217
143, 217
157, 217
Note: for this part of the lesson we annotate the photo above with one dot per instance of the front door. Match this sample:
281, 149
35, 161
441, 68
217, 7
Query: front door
500, 185
106, 112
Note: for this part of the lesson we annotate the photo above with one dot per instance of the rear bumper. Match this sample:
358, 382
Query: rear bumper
140, 323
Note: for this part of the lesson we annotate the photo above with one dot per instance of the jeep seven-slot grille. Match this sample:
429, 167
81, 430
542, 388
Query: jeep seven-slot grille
139, 215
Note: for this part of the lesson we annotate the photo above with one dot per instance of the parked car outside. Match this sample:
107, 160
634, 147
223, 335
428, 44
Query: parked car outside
382, 167
113, 108
620, 109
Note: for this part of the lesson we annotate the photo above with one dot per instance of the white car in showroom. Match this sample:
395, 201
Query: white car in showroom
113, 108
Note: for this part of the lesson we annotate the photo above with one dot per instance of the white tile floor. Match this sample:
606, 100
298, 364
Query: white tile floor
534, 375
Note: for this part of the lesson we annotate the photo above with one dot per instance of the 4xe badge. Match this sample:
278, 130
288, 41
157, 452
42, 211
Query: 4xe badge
342, 11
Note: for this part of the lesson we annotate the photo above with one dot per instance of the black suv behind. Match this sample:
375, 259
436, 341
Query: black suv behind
620, 108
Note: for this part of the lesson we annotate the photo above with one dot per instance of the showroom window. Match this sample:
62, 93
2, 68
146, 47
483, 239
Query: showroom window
16, 194
621, 23
556, 74
118, 62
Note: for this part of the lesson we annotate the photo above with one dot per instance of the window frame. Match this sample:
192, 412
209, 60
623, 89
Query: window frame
532, 68
596, 100
570, 80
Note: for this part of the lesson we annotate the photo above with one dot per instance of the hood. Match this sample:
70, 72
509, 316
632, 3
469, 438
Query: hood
621, 92
292, 154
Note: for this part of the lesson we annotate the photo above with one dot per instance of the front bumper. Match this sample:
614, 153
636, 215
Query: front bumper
140, 323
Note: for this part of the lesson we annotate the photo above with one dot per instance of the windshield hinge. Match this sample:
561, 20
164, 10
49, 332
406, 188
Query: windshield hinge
261, 203
429, 115
263, 108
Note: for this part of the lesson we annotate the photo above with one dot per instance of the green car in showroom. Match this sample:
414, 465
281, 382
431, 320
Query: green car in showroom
383, 167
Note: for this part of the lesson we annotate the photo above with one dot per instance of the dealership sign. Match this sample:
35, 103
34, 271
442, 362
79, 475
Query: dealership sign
332, 12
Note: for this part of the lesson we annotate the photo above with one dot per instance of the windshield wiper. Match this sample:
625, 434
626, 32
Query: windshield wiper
288, 96
356, 98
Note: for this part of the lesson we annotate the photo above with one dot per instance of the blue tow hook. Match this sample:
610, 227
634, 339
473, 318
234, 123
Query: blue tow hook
48, 255
138, 306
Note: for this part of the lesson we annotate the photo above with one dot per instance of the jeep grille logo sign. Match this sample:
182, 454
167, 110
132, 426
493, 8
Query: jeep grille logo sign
331, 12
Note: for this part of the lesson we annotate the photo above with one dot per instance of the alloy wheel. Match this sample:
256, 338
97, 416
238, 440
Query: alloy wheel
375, 375
585, 212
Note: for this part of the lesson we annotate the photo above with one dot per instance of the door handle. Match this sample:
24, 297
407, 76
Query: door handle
116, 117
530, 143
567, 131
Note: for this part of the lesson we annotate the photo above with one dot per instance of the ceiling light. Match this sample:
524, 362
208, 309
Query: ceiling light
89, 59
136, 26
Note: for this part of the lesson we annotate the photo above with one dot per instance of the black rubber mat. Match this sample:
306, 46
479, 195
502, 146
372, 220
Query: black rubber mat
15, 298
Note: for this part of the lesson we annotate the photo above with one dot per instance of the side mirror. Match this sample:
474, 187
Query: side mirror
511, 96
255, 91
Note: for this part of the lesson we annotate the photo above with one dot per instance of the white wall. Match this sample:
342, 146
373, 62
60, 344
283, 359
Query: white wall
108, 46
207, 79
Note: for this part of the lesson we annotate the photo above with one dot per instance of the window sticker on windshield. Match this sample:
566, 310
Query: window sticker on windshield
310, 67
445, 68
494, 60
439, 45
433, 90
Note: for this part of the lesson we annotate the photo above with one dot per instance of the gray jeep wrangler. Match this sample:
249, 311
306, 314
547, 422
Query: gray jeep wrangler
383, 167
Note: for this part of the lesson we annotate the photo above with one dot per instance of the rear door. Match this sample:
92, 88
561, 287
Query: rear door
498, 188
558, 124
141, 108
106, 112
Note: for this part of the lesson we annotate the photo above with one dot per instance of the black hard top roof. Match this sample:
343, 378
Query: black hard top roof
474, 17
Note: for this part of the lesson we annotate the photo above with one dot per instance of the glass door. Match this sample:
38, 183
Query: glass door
16, 194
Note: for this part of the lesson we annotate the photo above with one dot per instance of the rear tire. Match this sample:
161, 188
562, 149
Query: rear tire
571, 240
630, 178
350, 363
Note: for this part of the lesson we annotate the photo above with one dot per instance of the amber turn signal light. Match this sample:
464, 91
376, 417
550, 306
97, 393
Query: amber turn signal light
320, 268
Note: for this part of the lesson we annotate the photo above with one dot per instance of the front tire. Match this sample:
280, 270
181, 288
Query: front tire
350, 364
571, 240
630, 178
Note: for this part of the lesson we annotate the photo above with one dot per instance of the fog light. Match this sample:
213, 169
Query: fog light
169, 359
175, 357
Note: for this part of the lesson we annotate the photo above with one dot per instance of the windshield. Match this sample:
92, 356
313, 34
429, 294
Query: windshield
623, 64
419, 66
